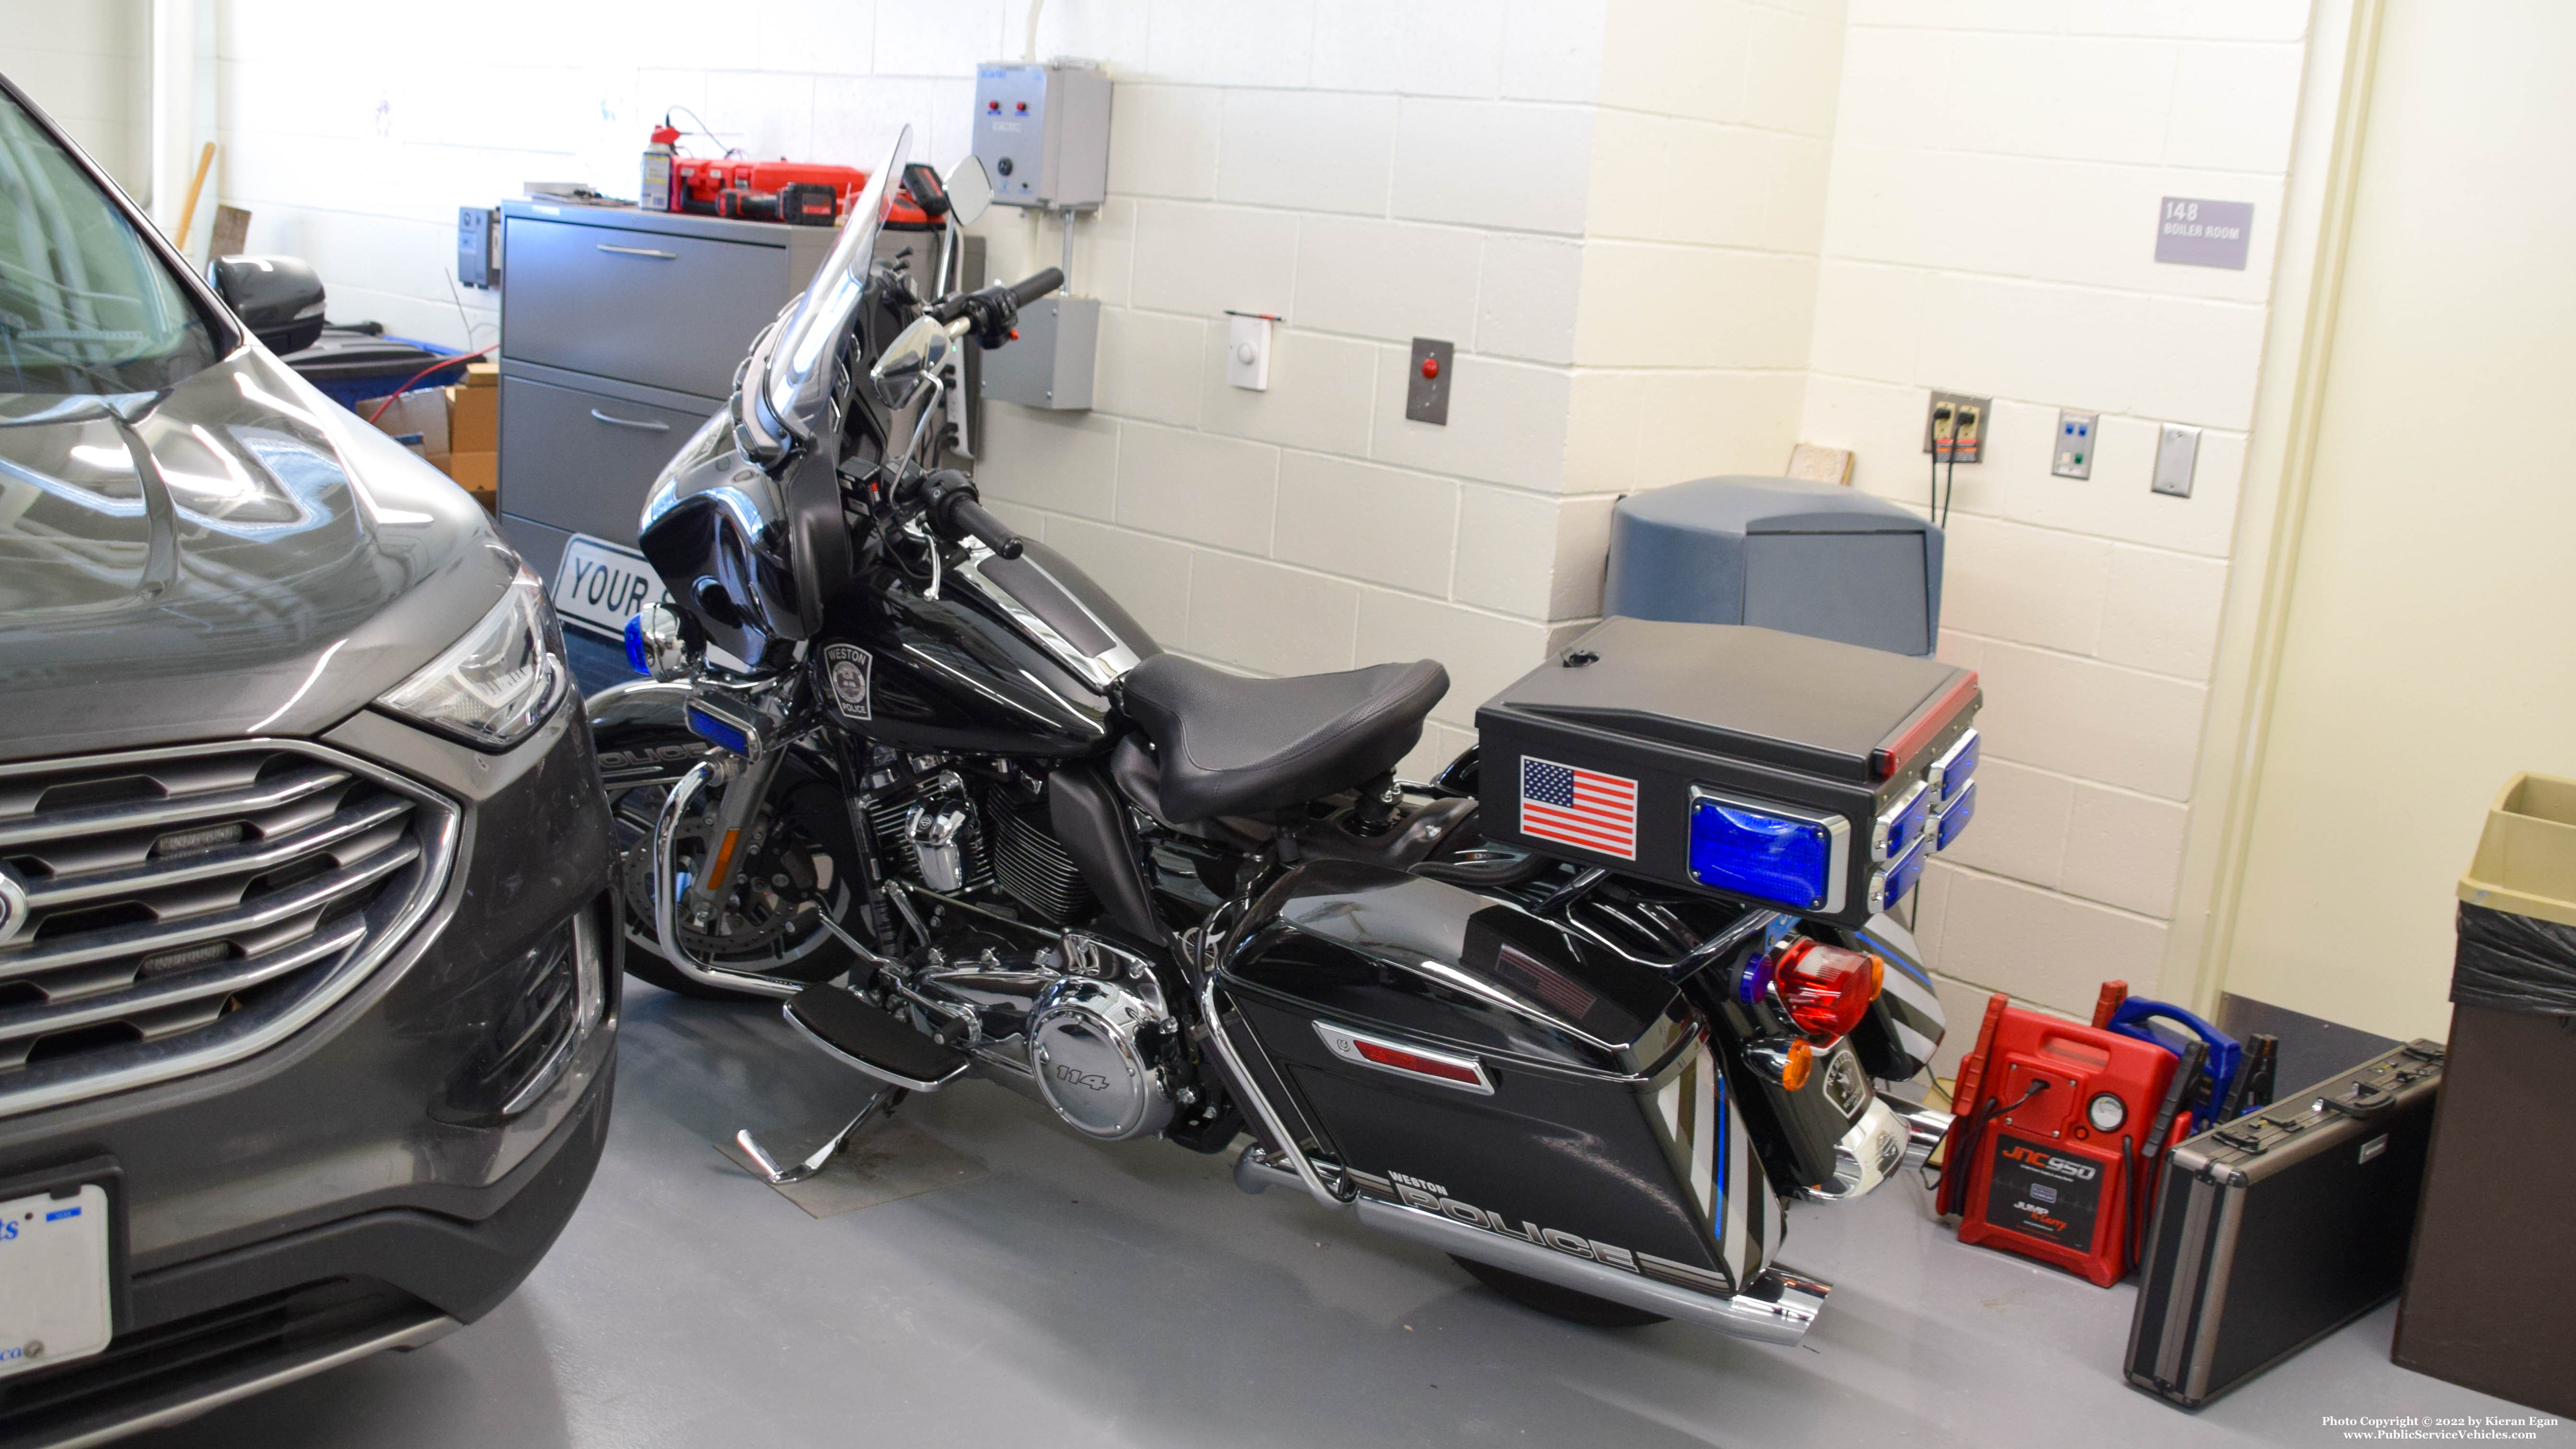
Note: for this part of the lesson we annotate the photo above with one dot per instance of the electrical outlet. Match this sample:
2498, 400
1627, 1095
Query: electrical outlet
2075, 438
1954, 427
2177, 453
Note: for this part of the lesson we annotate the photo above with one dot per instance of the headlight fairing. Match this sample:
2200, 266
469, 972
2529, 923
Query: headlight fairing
494, 686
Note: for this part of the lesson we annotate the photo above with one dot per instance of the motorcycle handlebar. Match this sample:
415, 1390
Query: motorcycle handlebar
1029, 289
990, 311
968, 516
955, 511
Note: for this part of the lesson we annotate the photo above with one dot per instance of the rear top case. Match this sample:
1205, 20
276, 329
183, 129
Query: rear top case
1697, 716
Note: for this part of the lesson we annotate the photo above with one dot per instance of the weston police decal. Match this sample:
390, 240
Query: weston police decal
1424, 1195
845, 671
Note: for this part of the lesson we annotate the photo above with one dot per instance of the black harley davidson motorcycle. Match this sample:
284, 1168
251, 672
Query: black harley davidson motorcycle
928, 785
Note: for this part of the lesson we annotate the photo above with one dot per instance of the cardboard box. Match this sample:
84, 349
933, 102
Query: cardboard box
478, 473
421, 412
474, 415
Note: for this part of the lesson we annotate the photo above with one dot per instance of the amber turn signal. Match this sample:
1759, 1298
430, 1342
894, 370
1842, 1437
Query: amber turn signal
1795, 1064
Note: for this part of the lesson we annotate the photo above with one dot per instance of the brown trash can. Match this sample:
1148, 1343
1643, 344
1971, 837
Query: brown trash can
2490, 1296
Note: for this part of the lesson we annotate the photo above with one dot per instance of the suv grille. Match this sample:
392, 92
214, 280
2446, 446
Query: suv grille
165, 911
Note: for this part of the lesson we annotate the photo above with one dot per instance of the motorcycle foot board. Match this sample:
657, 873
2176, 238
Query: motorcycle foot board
873, 1040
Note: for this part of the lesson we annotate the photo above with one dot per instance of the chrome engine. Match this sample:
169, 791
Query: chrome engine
1079, 1022
1080, 1025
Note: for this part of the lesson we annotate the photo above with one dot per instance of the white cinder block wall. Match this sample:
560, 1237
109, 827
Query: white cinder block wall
1370, 173
1990, 229
1670, 238
89, 66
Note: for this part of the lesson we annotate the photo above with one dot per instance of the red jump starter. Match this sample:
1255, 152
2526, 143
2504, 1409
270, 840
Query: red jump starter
2044, 1157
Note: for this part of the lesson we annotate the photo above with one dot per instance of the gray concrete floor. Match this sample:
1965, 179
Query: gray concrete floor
1129, 1295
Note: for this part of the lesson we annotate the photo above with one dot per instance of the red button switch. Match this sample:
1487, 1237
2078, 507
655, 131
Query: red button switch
1430, 367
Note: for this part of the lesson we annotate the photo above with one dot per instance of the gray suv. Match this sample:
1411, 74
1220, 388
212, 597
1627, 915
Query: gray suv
308, 956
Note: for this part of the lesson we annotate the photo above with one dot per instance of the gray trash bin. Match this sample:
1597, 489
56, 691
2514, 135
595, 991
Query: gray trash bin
1781, 553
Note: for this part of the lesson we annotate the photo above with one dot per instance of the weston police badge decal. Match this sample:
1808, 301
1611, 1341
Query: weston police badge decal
845, 670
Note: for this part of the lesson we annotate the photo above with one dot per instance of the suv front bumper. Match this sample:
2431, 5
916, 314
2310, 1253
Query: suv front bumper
365, 1184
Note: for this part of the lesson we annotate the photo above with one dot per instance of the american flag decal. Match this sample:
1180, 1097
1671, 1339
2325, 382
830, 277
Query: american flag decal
1579, 807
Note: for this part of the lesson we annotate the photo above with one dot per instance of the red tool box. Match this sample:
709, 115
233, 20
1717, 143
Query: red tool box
2050, 1156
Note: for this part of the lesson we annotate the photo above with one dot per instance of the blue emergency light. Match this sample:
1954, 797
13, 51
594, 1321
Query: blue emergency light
723, 732
1889, 884
1951, 774
1769, 852
636, 658
1955, 816
1901, 824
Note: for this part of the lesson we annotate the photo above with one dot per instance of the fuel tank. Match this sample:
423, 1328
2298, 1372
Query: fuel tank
1009, 656
1459, 1055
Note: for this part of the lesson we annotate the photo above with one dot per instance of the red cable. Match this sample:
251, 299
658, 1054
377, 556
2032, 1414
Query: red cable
440, 365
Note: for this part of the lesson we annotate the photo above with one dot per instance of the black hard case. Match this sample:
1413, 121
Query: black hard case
1577, 1040
2282, 1226
1752, 713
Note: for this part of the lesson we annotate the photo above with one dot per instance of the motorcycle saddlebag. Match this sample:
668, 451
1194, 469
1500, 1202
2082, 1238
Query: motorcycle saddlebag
2282, 1226
1464, 1058
1801, 773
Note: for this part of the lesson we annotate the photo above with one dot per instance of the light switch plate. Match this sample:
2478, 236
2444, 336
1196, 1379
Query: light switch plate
2177, 453
2076, 435
1247, 350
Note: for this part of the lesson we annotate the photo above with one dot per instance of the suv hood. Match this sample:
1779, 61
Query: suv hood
278, 563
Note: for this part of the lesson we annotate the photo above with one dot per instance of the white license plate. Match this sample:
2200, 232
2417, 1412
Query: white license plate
601, 585
53, 1279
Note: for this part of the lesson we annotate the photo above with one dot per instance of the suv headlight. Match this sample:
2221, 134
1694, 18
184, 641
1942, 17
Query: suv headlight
498, 683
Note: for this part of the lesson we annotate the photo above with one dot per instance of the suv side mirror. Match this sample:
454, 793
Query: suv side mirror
278, 298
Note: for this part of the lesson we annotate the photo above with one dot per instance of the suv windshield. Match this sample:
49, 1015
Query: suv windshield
85, 305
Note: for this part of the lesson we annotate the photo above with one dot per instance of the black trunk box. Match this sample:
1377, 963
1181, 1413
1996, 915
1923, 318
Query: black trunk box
1672, 713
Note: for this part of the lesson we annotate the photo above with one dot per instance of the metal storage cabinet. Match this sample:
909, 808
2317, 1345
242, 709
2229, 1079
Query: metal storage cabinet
620, 332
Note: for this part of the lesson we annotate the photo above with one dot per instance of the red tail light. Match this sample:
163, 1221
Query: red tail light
1419, 1064
1826, 989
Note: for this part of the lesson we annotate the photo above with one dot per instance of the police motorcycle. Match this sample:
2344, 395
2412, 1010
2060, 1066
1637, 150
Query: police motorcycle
928, 785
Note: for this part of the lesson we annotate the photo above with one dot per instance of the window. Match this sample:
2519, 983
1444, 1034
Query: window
86, 306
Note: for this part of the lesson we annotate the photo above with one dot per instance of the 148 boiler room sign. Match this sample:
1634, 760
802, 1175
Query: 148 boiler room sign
2200, 233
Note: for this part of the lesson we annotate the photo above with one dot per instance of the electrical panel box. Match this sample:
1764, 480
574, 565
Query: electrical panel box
1042, 132
1050, 366
478, 246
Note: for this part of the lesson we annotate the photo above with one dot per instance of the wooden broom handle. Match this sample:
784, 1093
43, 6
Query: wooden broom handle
188, 212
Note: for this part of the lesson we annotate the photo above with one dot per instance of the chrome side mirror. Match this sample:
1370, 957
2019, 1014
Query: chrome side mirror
911, 359
970, 191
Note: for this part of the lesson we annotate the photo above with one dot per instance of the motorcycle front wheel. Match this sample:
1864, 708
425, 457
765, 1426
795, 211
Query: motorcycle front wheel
1554, 1301
804, 853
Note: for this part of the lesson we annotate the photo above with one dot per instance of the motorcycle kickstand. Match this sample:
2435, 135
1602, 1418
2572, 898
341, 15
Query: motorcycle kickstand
777, 1176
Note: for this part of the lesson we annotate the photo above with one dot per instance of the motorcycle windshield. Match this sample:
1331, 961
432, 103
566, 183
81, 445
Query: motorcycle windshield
792, 391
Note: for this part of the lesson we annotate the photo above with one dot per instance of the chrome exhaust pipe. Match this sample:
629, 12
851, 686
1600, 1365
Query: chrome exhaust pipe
1926, 1128
1777, 1307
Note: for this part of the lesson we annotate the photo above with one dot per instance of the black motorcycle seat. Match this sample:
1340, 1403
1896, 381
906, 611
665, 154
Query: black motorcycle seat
1230, 745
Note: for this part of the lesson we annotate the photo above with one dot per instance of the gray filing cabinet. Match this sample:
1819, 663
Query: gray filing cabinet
620, 333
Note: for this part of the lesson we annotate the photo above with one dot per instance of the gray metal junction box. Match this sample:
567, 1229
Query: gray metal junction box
1042, 132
